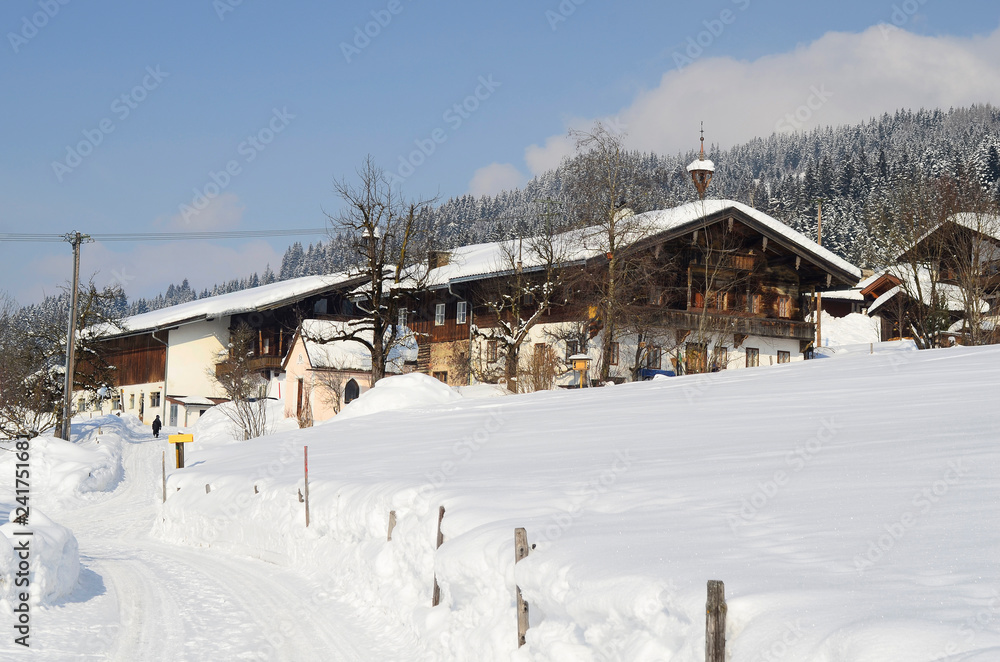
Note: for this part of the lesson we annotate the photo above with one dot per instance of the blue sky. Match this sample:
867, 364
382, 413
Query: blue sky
288, 96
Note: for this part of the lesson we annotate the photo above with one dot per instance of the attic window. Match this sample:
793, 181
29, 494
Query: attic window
319, 307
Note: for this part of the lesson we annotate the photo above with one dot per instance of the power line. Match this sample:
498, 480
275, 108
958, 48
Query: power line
165, 236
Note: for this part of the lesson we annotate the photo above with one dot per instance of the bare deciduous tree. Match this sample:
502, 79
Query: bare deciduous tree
391, 239
243, 384
532, 269
605, 194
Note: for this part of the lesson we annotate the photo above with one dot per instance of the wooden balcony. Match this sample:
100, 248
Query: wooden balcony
261, 363
751, 326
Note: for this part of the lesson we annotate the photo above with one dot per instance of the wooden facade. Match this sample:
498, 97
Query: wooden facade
138, 359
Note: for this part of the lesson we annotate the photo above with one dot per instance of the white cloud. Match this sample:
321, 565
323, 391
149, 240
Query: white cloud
549, 155
838, 79
495, 178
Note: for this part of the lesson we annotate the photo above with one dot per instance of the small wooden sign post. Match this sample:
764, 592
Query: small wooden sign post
436, 596
520, 553
715, 622
178, 440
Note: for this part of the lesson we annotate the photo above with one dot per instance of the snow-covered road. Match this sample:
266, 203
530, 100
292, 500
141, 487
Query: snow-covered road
143, 599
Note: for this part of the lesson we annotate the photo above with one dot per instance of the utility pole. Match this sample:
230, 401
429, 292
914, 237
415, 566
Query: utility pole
819, 296
74, 238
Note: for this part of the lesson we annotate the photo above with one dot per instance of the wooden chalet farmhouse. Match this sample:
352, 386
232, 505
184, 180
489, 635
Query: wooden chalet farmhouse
166, 358
725, 286
730, 288
957, 264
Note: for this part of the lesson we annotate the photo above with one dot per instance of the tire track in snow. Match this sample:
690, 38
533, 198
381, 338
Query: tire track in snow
188, 603
292, 630
149, 625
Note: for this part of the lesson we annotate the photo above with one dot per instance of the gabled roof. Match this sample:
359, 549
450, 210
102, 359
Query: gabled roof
486, 260
951, 295
324, 353
985, 225
265, 297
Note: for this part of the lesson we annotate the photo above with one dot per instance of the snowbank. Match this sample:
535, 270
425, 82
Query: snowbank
54, 560
399, 392
853, 329
843, 531
888, 347
215, 428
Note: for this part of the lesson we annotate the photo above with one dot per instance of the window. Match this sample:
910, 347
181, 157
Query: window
131, 401
753, 357
441, 376
784, 357
720, 358
572, 347
614, 354
266, 348
460, 314
402, 317
154, 399
783, 307
529, 298
723, 301
653, 357
351, 391
695, 358
439, 314
754, 304
491, 350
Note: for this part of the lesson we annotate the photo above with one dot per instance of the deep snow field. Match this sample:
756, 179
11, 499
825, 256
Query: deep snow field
849, 504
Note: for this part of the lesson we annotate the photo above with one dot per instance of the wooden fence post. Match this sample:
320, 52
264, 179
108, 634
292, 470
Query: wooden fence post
392, 525
305, 451
715, 622
520, 552
436, 598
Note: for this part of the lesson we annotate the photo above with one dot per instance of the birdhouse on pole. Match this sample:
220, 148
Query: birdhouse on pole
701, 169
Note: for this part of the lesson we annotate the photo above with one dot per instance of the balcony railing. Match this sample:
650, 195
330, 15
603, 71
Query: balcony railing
751, 326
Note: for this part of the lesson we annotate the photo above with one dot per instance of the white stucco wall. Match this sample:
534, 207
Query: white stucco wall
191, 357
768, 349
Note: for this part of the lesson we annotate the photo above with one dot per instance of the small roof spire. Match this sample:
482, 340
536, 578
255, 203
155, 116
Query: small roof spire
701, 169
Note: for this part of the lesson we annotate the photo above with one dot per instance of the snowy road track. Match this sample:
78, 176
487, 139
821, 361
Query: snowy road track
142, 599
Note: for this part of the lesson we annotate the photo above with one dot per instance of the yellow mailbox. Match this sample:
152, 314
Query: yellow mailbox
178, 440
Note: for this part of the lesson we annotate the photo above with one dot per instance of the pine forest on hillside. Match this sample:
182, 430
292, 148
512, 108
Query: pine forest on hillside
785, 175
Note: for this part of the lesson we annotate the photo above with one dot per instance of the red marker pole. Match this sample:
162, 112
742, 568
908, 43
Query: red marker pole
305, 451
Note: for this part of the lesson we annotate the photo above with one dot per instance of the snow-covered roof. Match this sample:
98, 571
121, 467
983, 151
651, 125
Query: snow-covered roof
692, 213
985, 224
348, 354
233, 303
701, 164
477, 260
952, 295
193, 400
853, 294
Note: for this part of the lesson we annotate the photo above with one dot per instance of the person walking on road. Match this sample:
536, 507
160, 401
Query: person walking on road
156, 426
